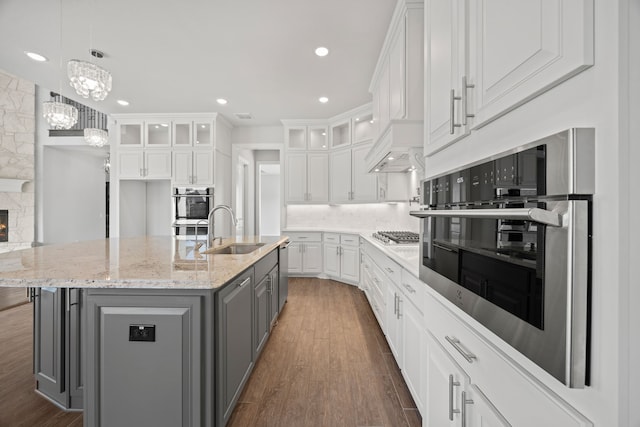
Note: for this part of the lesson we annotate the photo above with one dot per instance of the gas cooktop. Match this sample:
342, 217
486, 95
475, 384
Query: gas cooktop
397, 237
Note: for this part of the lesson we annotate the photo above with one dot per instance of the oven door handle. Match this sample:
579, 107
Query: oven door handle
538, 215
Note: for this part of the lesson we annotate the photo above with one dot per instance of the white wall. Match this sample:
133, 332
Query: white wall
257, 135
74, 205
590, 99
70, 185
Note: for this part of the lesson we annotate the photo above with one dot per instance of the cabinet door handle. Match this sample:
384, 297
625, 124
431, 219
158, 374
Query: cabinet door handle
463, 404
465, 86
244, 282
337, 250
399, 311
455, 342
452, 112
452, 384
409, 288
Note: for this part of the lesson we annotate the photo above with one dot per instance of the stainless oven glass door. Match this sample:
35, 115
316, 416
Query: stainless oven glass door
521, 272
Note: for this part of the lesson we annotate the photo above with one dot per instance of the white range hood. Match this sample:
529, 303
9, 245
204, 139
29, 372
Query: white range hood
10, 185
398, 149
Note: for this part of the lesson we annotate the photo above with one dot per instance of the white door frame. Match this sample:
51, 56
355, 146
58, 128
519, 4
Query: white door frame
235, 154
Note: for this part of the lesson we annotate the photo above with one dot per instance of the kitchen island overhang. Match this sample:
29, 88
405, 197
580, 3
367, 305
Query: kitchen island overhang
154, 311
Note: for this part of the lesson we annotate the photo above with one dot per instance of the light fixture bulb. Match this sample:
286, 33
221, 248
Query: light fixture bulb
59, 115
322, 51
96, 137
35, 56
323, 99
89, 80
221, 101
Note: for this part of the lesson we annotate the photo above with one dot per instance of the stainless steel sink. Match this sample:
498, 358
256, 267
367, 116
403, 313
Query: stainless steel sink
235, 249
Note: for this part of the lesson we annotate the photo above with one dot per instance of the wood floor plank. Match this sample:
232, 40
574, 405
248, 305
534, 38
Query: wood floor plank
326, 363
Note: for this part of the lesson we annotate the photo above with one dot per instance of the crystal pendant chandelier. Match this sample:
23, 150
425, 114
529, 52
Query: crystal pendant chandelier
59, 115
96, 137
89, 80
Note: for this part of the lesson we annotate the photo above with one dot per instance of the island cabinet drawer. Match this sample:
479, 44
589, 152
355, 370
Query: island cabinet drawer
490, 369
332, 238
414, 289
265, 265
305, 236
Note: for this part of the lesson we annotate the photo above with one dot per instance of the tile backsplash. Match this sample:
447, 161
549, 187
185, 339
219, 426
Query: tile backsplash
370, 216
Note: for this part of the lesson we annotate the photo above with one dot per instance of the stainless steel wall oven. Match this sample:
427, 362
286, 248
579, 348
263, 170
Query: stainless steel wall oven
508, 240
191, 208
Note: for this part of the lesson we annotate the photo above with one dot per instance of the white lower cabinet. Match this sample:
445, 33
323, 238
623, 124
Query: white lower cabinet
305, 253
451, 398
342, 257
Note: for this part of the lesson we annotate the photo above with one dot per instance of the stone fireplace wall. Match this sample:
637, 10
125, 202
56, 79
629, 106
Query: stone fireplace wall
17, 143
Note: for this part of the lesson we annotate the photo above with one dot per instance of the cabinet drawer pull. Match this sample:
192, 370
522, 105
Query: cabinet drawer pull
463, 404
244, 282
409, 288
452, 384
455, 342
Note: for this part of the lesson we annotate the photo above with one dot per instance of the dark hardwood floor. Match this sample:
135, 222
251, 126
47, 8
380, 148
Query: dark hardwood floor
326, 364
10, 297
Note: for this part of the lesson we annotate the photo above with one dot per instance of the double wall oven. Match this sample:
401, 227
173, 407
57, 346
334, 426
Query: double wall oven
191, 208
508, 240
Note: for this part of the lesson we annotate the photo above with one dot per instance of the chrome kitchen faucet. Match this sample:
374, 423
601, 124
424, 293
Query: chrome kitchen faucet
210, 226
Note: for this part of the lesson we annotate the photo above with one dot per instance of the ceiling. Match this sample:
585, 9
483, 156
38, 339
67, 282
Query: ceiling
170, 56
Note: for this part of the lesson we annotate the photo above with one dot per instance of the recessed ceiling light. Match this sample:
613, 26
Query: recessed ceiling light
164, 125
221, 101
322, 51
123, 102
371, 121
357, 119
323, 99
35, 56
376, 170
390, 158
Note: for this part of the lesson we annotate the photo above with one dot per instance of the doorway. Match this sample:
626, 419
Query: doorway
242, 179
268, 198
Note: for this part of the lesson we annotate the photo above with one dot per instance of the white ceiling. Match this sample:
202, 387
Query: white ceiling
170, 56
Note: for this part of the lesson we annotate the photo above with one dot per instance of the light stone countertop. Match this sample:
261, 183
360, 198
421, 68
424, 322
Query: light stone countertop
137, 262
408, 256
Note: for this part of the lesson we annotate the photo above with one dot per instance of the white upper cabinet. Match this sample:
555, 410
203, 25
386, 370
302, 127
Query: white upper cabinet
141, 133
445, 70
521, 48
397, 83
485, 58
349, 180
362, 128
193, 167
341, 134
306, 137
307, 179
189, 133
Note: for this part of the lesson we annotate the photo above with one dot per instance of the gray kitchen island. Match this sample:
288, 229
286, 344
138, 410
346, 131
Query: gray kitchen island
149, 331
